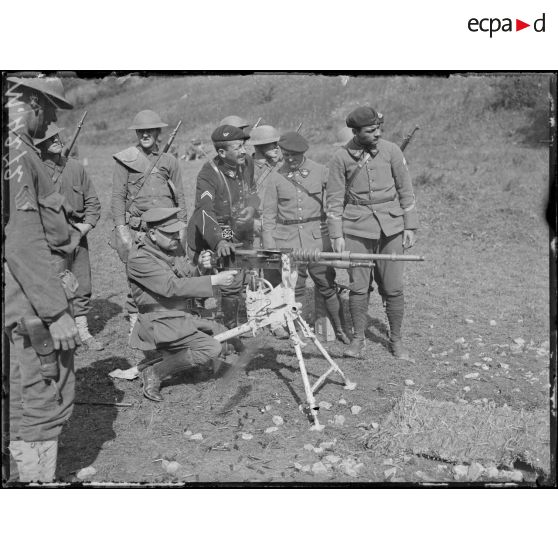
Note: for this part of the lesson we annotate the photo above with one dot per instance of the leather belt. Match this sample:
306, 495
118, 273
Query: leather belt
354, 201
300, 221
154, 307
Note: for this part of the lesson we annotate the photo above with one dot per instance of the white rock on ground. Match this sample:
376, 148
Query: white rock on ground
86, 473
339, 420
271, 429
355, 409
277, 420
196, 437
325, 405
460, 471
471, 376
342, 402
246, 436
409, 382
319, 468
391, 472
475, 471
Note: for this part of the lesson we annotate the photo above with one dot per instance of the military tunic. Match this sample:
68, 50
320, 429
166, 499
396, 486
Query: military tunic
82, 206
38, 237
294, 217
262, 171
160, 284
163, 188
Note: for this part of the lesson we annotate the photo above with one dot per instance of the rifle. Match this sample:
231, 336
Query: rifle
257, 123
68, 148
407, 139
299, 127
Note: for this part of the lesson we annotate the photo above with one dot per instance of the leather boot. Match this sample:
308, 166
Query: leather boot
358, 308
394, 310
335, 311
230, 320
153, 375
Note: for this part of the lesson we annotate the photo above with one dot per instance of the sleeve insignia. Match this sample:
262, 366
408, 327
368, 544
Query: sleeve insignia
207, 193
25, 201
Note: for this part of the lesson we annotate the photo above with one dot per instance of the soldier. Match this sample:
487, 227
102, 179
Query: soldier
225, 208
195, 150
161, 279
371, 208
294, 217
235, 121
133, 193
84, 210
38, 240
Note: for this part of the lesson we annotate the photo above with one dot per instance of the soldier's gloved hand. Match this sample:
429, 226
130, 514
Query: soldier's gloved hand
339, 244
223, 278
205, 259
246, 214
64, 333
83, 228
224, 248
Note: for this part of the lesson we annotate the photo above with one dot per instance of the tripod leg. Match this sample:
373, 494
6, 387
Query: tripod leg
309, 395
333, 366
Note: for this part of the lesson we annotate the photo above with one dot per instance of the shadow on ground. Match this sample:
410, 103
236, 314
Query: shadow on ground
102, 310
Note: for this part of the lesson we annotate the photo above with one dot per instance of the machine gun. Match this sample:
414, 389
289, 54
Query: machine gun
276, 306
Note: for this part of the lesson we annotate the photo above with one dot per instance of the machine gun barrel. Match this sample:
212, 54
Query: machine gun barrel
314, 255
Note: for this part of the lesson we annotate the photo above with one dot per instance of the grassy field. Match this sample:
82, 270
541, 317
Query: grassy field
480, 195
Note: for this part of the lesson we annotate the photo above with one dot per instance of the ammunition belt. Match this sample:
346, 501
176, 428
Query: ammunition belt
155, 307
300, 221
354, 201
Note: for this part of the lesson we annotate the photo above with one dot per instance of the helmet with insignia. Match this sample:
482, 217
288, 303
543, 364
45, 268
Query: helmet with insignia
51, 87
344, 135
52, 130
263, 135
147, 120
164, 219
294, 142
235, 121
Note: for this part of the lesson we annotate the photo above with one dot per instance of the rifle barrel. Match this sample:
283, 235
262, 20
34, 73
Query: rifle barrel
314, 255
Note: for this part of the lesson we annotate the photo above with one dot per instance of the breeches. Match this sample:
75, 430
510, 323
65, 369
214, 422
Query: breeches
387, 274
322, 275
81, 268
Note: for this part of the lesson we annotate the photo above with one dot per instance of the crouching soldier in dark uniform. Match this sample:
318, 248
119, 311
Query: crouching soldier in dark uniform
83, 210
294, 217
134, 193
225, 208
371, 209
161, 280
37, 314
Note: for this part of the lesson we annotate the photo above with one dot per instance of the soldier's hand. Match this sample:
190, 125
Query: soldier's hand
224, 249
205, 259
409, 238
339, 244
246, 214
224, 278
64, 333
83, 228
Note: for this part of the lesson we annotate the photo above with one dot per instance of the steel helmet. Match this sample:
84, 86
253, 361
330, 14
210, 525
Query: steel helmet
263, 134
51, 87
146, 120
235, 121
344, 135
52, 130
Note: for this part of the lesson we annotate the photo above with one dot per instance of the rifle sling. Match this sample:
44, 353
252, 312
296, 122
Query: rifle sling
355, 173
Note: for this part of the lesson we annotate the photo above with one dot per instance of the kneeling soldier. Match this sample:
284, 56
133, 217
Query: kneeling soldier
162, 279
294, 217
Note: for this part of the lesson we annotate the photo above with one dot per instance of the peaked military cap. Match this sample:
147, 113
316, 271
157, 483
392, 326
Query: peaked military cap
363, 116
227, 132
293, 141
235, 121
164, 219
52, 130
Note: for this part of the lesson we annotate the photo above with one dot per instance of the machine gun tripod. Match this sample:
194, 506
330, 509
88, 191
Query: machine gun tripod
272, 306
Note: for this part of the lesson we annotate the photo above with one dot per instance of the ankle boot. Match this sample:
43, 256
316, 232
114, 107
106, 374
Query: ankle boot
153, 375
335, 311
86, 338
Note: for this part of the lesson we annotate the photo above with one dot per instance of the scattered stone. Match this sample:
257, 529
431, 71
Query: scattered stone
196, 437
374, 425
477, 364
328, 445
485, 367
504, 366
492, 322
333, 459
171, 467
342, 402
519, 341
409, 383
355, 409
305, 468
86, 473
188, 433
297, 466
325, 405
492, 472
318, 450
388, 461
268, 407
460, 341
472, 375
485, 400
246, 436
424, 476
475, 471
271, 429
460, 471
351, 467
440, 384
392, 471
319, 468
469, 321
441, 467
466, 356
308, 447
339, 420
463, 401
466, 389
277, 420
